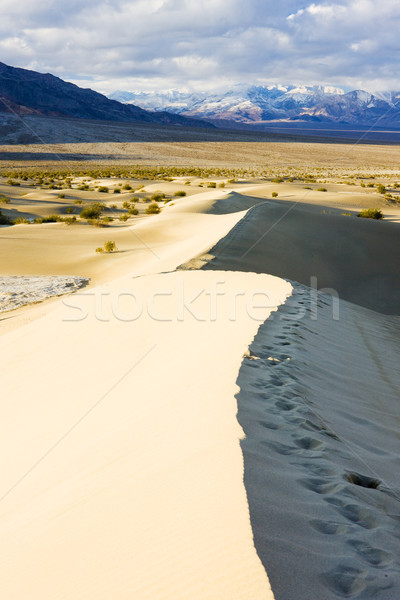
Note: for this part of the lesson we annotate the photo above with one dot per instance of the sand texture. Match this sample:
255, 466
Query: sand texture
204, 420
17, 291
129, 481
319, 405
359, 259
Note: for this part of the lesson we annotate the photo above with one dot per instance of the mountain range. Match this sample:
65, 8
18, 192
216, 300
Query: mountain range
25, 92
258, 105
36, 106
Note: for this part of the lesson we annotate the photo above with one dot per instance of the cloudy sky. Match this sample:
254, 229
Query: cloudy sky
204, 44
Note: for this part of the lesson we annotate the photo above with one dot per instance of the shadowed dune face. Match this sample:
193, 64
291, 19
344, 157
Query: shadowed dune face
318, 404
357, 258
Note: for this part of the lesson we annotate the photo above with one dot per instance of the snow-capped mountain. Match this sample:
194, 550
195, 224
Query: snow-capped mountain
263, 104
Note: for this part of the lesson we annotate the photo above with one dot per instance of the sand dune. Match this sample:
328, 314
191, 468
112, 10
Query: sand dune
136, 487
128, 481
358, 258
319, 401
122, 458
320, 412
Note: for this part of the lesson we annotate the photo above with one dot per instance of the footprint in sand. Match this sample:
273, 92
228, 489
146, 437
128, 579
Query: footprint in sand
321, 486
346, 581
320, 469
309, 443
276, 381
363, 480
355, 513
329, 527
273, 426
282, 448
286, 405
371, 555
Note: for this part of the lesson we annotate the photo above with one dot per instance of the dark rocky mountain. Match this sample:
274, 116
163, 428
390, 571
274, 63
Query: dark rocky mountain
25, 92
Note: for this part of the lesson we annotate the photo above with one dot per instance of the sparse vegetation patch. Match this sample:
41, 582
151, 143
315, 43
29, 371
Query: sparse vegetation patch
371, 213
153, 209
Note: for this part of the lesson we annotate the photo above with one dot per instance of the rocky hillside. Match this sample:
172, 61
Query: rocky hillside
25, 92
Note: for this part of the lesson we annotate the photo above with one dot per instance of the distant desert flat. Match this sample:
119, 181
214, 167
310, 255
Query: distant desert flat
211, 410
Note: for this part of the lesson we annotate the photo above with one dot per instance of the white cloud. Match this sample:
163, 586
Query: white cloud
199, 43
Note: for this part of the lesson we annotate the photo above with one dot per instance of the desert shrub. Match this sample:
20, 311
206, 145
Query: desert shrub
187, 182
100, 249
52, 219
4, 220
274, 194
290, 179
69, 220
157, 197
153, 209
69, 210
113, 206
97, 223
83, 187
126, 204
13, 182
322, 189
124, 217
371, 213
61, 196
108, 220
231, 180
135, 199
362, 184
380, 188
103, 189
278, 180
19, 221
93, 211
370, 185
110, 246
127, 187
4, 200
212, 184
180, 194
133, 211
221, 185
116, 191
307, 187
78, 201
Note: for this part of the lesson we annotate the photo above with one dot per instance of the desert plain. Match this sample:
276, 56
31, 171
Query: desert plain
209, 407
